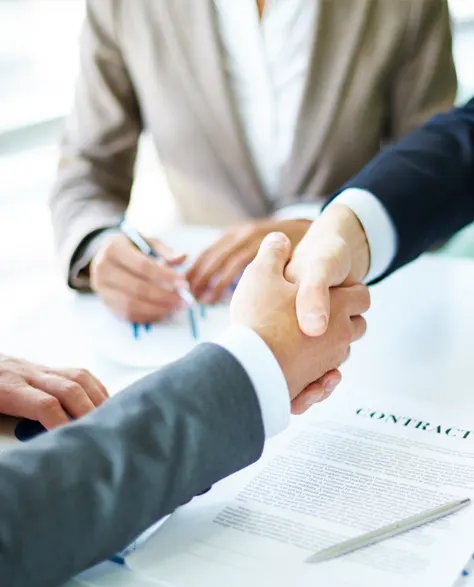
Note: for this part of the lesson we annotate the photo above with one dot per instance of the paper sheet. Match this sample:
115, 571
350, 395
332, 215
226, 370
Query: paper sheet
113, 339
168, 340
337, 473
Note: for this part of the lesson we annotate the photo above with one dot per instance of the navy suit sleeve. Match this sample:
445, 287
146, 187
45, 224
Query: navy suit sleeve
426, 182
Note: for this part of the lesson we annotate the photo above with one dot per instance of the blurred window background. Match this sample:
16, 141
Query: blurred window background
38, 65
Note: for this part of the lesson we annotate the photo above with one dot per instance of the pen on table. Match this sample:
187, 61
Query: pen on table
136, 238
389, 531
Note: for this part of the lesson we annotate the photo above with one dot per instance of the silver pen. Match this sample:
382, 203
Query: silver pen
388, 531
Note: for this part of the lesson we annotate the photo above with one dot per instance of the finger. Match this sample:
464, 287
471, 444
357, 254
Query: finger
24, 400
134, 310
71, 395
92, 386
210, 264
359, 327
354, 300
140, 290
123, 253
273, 254
322, 272
228, 275
316, 392
172, 257
201, 260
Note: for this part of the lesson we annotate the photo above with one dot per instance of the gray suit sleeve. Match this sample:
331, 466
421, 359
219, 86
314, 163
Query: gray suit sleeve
77, 495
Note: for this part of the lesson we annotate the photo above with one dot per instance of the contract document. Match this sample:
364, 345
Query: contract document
351, 465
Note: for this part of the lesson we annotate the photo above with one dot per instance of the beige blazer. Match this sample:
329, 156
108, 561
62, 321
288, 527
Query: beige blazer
378, 69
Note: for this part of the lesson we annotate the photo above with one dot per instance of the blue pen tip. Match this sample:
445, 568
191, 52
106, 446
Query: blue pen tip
136, 331
464, 572
192, 323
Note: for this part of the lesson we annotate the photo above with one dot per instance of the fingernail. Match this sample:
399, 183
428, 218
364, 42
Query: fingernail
314, 323
316, 398
331, 385
276, 237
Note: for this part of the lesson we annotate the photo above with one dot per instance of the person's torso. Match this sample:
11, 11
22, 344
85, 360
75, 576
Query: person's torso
211, 121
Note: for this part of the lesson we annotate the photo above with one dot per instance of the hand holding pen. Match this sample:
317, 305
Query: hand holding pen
134, 285
181, 288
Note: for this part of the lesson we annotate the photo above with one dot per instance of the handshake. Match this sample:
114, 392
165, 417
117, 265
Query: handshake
307, 305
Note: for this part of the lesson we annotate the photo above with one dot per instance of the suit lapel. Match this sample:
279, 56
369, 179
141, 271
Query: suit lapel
201, 65
338, 30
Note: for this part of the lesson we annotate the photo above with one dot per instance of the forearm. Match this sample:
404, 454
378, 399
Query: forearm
98, 150
425, 183
78, 211
102, 480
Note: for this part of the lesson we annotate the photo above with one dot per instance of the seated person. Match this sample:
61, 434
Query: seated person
259, 110
75, 496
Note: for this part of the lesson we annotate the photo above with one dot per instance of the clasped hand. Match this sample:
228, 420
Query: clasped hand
265, 301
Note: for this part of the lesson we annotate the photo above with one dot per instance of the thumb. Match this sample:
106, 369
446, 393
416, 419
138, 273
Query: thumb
169, 255
273, 254
313, 296
313, 302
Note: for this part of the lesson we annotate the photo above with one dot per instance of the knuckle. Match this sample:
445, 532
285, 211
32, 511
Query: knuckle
99, 267
346, 335
143, 265
72, 389
138, 289
80, 376
109, 249
47, 404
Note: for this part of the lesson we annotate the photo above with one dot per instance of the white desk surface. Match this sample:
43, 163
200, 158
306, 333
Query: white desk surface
419, 341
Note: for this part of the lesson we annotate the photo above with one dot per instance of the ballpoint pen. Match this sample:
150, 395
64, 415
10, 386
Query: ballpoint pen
136, 238
389, 531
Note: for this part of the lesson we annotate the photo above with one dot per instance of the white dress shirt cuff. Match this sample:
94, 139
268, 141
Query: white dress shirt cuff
299, 212
378, 226
265, 374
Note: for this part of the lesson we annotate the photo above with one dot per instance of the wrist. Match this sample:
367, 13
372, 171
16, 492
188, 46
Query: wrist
280, 348
341, 220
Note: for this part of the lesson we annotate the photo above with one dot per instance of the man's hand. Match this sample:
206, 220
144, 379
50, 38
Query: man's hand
333, 252
38, 393
133, 285
265, 302
222, 263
